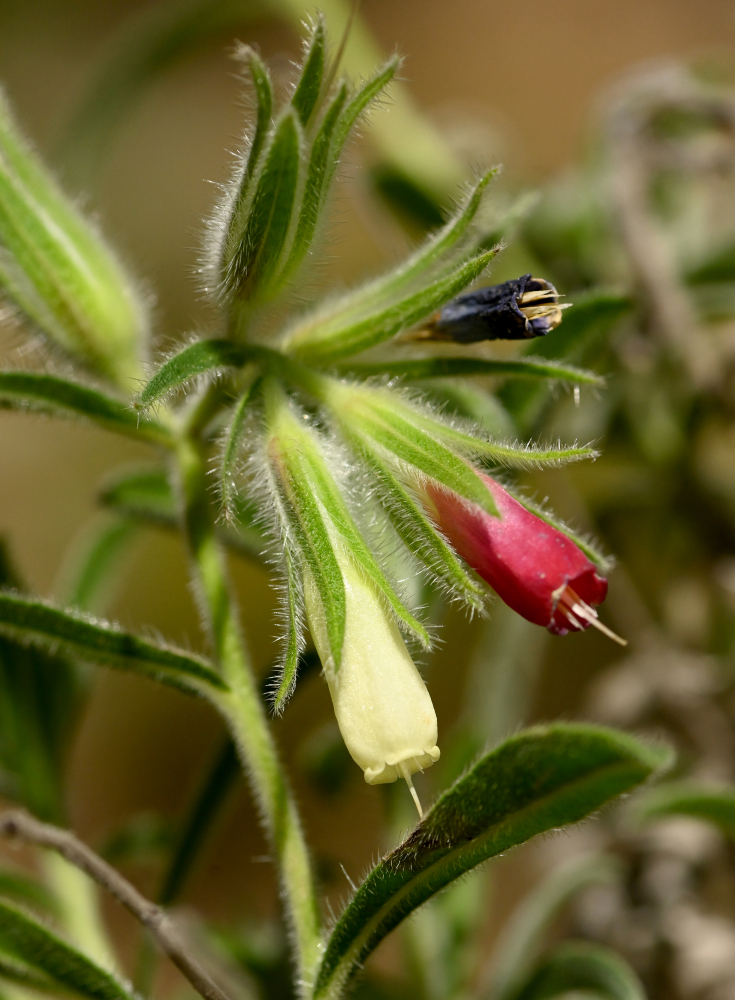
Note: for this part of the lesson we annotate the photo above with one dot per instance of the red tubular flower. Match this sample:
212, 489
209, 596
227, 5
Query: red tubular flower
532, 566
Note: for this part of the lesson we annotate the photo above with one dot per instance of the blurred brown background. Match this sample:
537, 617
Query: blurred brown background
523, 79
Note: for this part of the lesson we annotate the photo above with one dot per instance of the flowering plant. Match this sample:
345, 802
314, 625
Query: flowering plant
330, 464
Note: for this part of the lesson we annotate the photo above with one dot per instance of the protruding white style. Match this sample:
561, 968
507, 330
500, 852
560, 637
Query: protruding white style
383, 709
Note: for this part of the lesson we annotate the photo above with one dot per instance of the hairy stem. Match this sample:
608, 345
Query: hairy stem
25, 827
243, 709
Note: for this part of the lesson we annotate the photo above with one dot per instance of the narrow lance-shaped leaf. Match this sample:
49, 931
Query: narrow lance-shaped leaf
524, 456
41, 393
710, 802
379, 293
253, 244
425, 368
93, 569
336, 508
420, 536
264, 108
324, 343
203, 813
537, 781
589, 318
200, 358
514, 954
465, 400
311, 477
315, 187
76, 636
579, 966
47, 955
37, 711
231, 450
376, 419
294, 641
306, 96
304, 527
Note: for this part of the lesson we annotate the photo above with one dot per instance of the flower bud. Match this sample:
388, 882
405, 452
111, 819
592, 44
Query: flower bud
532, 566
383, 708
56, 269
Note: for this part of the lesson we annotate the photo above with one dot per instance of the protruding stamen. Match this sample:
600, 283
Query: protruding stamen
406, 775
594, 621
573, 608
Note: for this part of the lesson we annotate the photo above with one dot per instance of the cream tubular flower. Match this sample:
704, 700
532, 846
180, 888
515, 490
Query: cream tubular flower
383, 709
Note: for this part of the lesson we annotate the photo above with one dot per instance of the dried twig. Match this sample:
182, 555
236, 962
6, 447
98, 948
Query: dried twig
24, 827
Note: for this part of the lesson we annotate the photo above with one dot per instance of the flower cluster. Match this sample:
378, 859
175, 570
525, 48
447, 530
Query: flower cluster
335, 446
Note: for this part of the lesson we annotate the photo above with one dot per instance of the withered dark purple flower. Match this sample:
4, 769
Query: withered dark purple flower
519, 309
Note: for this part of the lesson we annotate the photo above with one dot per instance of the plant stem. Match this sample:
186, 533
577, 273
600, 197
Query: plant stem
243, 709
18, 824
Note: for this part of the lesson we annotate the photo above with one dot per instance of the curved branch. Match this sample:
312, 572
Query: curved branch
20, 825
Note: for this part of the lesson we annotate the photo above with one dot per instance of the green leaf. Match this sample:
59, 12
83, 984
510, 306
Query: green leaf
141, 492
333, 503
579, 965
306, 96
82, 637
38, 702
515, 951
323, 342
200, 358
56, 269
604, 563
40, 393
523, 456
47, 955
534, 782
381, 291
711, 802
144, 494
257, 231
303, 520
231, 450
204, 811
317, 500
319, 173
591, 317
420, 368
93, 570
464, 399
264, 108
420, 537
294, 641
409, 438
